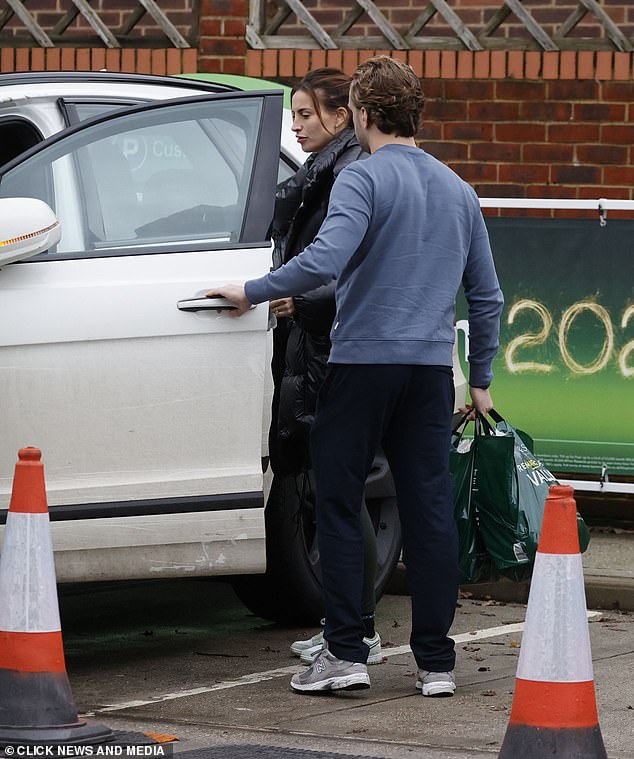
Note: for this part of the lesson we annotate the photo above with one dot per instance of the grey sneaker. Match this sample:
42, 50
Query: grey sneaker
329, 673
436, 683
309, 654
316, 643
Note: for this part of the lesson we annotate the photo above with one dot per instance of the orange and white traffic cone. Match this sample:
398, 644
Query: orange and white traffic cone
554, 710
36, 703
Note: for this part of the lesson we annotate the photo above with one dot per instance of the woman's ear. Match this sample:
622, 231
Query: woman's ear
342, 117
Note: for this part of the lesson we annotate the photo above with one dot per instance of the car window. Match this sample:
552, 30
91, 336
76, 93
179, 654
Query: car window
286, 169
16, 136
82, 111
175, 174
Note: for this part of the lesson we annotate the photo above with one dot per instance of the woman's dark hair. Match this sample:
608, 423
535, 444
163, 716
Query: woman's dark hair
328, 89
391, 94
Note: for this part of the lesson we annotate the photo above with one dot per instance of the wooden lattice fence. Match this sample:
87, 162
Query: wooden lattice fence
113, 24
440, 24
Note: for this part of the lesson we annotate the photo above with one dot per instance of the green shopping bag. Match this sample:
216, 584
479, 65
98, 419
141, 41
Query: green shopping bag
473, 561
510, 486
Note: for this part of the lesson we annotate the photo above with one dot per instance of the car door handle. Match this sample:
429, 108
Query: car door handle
205, 304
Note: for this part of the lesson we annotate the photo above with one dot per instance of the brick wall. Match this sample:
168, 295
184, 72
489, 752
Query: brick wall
222, 45
144, 46
117, 15
516, 123
140, 60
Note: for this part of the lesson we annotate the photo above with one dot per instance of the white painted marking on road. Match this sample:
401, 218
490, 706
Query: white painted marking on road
272, 674
252, 679
488, 632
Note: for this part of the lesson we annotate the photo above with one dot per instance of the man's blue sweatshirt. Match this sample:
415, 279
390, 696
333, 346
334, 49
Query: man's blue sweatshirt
403, 231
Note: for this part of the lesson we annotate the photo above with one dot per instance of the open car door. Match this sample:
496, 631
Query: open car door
145, 398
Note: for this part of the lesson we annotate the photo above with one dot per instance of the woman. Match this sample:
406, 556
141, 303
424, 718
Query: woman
301, 344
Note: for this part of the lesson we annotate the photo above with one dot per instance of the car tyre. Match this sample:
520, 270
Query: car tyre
290, 591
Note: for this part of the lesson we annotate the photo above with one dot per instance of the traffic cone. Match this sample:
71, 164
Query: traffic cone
36, 703
554, 710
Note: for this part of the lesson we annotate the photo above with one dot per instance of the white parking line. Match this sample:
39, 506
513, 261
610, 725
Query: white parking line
256, 677
272, 674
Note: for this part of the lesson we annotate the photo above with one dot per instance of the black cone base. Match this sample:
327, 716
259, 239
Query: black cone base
81, 732
525, 742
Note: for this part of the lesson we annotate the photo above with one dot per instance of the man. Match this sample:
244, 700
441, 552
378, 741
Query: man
402, 233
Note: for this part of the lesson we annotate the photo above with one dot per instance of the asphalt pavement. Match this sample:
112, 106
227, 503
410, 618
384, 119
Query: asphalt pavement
216, 678
184, 661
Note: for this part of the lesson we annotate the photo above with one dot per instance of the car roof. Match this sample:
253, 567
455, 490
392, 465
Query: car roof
50, 85
69, 77
242, 83
204, 82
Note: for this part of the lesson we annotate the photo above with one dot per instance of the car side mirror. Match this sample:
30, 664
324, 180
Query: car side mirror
27, 227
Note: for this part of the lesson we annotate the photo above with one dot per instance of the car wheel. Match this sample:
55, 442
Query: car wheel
290, 590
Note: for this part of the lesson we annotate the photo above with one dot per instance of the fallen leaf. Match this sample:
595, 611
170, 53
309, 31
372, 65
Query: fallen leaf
162, 737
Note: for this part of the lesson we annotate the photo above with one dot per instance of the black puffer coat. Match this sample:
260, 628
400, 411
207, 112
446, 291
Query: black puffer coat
301, 344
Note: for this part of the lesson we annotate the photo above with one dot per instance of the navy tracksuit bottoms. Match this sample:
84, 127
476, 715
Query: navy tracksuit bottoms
407, 409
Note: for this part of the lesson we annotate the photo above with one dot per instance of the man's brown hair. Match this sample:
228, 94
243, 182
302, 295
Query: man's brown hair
391, 94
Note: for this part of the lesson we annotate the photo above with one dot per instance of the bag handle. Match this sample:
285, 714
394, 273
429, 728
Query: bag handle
497, 418
463, 420
483, 425
488, 429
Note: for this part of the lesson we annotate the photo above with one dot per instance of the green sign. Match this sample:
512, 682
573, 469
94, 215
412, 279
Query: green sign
565, 369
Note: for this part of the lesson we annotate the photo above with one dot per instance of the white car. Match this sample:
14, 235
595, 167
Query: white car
150, 406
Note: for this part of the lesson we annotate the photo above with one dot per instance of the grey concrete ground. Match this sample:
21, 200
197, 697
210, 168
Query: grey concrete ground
389, 720
191, 662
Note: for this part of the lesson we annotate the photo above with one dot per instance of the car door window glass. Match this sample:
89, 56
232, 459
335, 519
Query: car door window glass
82, 111
285, 170
150, 178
